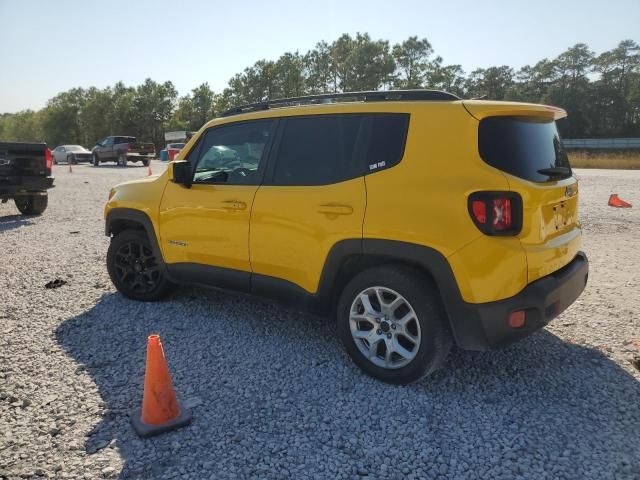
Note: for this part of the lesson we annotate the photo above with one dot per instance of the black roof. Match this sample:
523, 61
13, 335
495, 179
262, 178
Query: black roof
374, 96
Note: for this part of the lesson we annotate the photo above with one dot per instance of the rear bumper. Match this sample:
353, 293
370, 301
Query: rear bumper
483, 326
14, 186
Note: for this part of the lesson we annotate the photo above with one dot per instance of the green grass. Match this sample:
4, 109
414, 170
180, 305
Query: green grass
609, 160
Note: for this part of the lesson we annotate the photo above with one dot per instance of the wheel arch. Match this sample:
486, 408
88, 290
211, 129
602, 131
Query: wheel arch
120, 219
348, 258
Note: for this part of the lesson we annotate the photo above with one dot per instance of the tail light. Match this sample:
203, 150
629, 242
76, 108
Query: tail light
48, 160
496, 213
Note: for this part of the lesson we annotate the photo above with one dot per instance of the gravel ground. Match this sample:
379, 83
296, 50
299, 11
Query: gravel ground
272, 392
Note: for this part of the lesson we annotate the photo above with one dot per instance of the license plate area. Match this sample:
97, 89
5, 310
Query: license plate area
561, 216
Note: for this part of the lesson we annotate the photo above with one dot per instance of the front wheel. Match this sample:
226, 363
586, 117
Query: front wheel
392, 324
134, 268
96, 160
32, 204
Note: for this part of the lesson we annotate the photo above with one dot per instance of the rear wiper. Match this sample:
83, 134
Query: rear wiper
556, 172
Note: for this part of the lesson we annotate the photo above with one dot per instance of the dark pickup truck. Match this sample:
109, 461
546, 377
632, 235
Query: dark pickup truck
122, 150
25, 175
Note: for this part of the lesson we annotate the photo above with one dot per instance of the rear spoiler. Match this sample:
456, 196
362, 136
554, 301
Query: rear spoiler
480, 109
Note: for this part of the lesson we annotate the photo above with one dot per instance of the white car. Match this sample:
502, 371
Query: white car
71, 154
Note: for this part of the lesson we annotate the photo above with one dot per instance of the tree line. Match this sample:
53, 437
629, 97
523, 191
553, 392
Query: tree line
601, 92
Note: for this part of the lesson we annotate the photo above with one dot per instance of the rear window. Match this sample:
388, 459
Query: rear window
521, 146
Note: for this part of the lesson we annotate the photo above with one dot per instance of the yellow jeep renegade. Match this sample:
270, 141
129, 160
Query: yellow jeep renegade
414, 217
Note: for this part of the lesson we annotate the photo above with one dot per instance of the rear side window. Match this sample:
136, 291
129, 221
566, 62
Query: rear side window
327, 149
522, 146
125, 140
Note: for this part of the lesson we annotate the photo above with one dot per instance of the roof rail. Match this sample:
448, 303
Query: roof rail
373, 96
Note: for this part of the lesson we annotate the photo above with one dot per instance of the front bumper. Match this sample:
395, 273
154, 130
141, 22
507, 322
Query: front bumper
485, 325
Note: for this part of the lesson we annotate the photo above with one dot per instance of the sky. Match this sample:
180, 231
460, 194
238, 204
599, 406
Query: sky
50, 46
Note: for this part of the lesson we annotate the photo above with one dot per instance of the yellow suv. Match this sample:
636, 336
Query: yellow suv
414, 217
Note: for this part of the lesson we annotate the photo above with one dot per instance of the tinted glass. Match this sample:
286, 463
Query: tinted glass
521, 146
232, 154
326, 149
125, 140
386, 140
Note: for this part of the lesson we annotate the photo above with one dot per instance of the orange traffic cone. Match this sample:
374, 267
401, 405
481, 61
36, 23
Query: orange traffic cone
160, 410
149, 172
614, 201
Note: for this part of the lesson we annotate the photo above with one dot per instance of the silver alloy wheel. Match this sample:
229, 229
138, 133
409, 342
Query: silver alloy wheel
384, 327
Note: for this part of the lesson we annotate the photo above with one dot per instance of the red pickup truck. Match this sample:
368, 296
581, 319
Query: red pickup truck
122, 150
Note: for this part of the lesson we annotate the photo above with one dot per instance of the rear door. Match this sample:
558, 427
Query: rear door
313, 197
528, 149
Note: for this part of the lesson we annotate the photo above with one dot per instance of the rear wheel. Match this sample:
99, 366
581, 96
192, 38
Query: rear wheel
122, 160
96, 160
392, 324
134, 269
32, 204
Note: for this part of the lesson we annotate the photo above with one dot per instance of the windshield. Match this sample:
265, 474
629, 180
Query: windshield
524, 147
74, 148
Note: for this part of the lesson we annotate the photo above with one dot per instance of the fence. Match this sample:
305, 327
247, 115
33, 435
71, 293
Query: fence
601, 143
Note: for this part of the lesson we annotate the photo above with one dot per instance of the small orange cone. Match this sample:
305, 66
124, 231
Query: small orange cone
160, 410
614, 201
149, 172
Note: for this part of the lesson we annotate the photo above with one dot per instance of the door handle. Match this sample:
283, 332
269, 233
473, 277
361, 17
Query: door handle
335, 209
234, 205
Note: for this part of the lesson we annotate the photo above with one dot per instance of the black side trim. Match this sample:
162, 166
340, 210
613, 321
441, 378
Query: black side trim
137, 217
209, 276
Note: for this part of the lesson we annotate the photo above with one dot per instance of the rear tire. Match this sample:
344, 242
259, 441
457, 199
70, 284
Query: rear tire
122, 161
32, 204
96, 160
134, 268
401, 338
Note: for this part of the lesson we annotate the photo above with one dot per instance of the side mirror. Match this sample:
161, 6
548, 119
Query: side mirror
181, 172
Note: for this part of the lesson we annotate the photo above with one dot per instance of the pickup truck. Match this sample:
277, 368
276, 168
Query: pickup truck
25, 176
122, 150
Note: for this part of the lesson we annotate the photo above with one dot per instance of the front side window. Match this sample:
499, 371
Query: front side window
232, 154
108, 142
327, 149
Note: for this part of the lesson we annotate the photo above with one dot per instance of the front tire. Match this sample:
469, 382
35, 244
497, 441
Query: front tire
393, 325
32, 204
96, 160
134, 268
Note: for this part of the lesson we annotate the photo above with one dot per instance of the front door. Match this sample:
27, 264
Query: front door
204, 229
